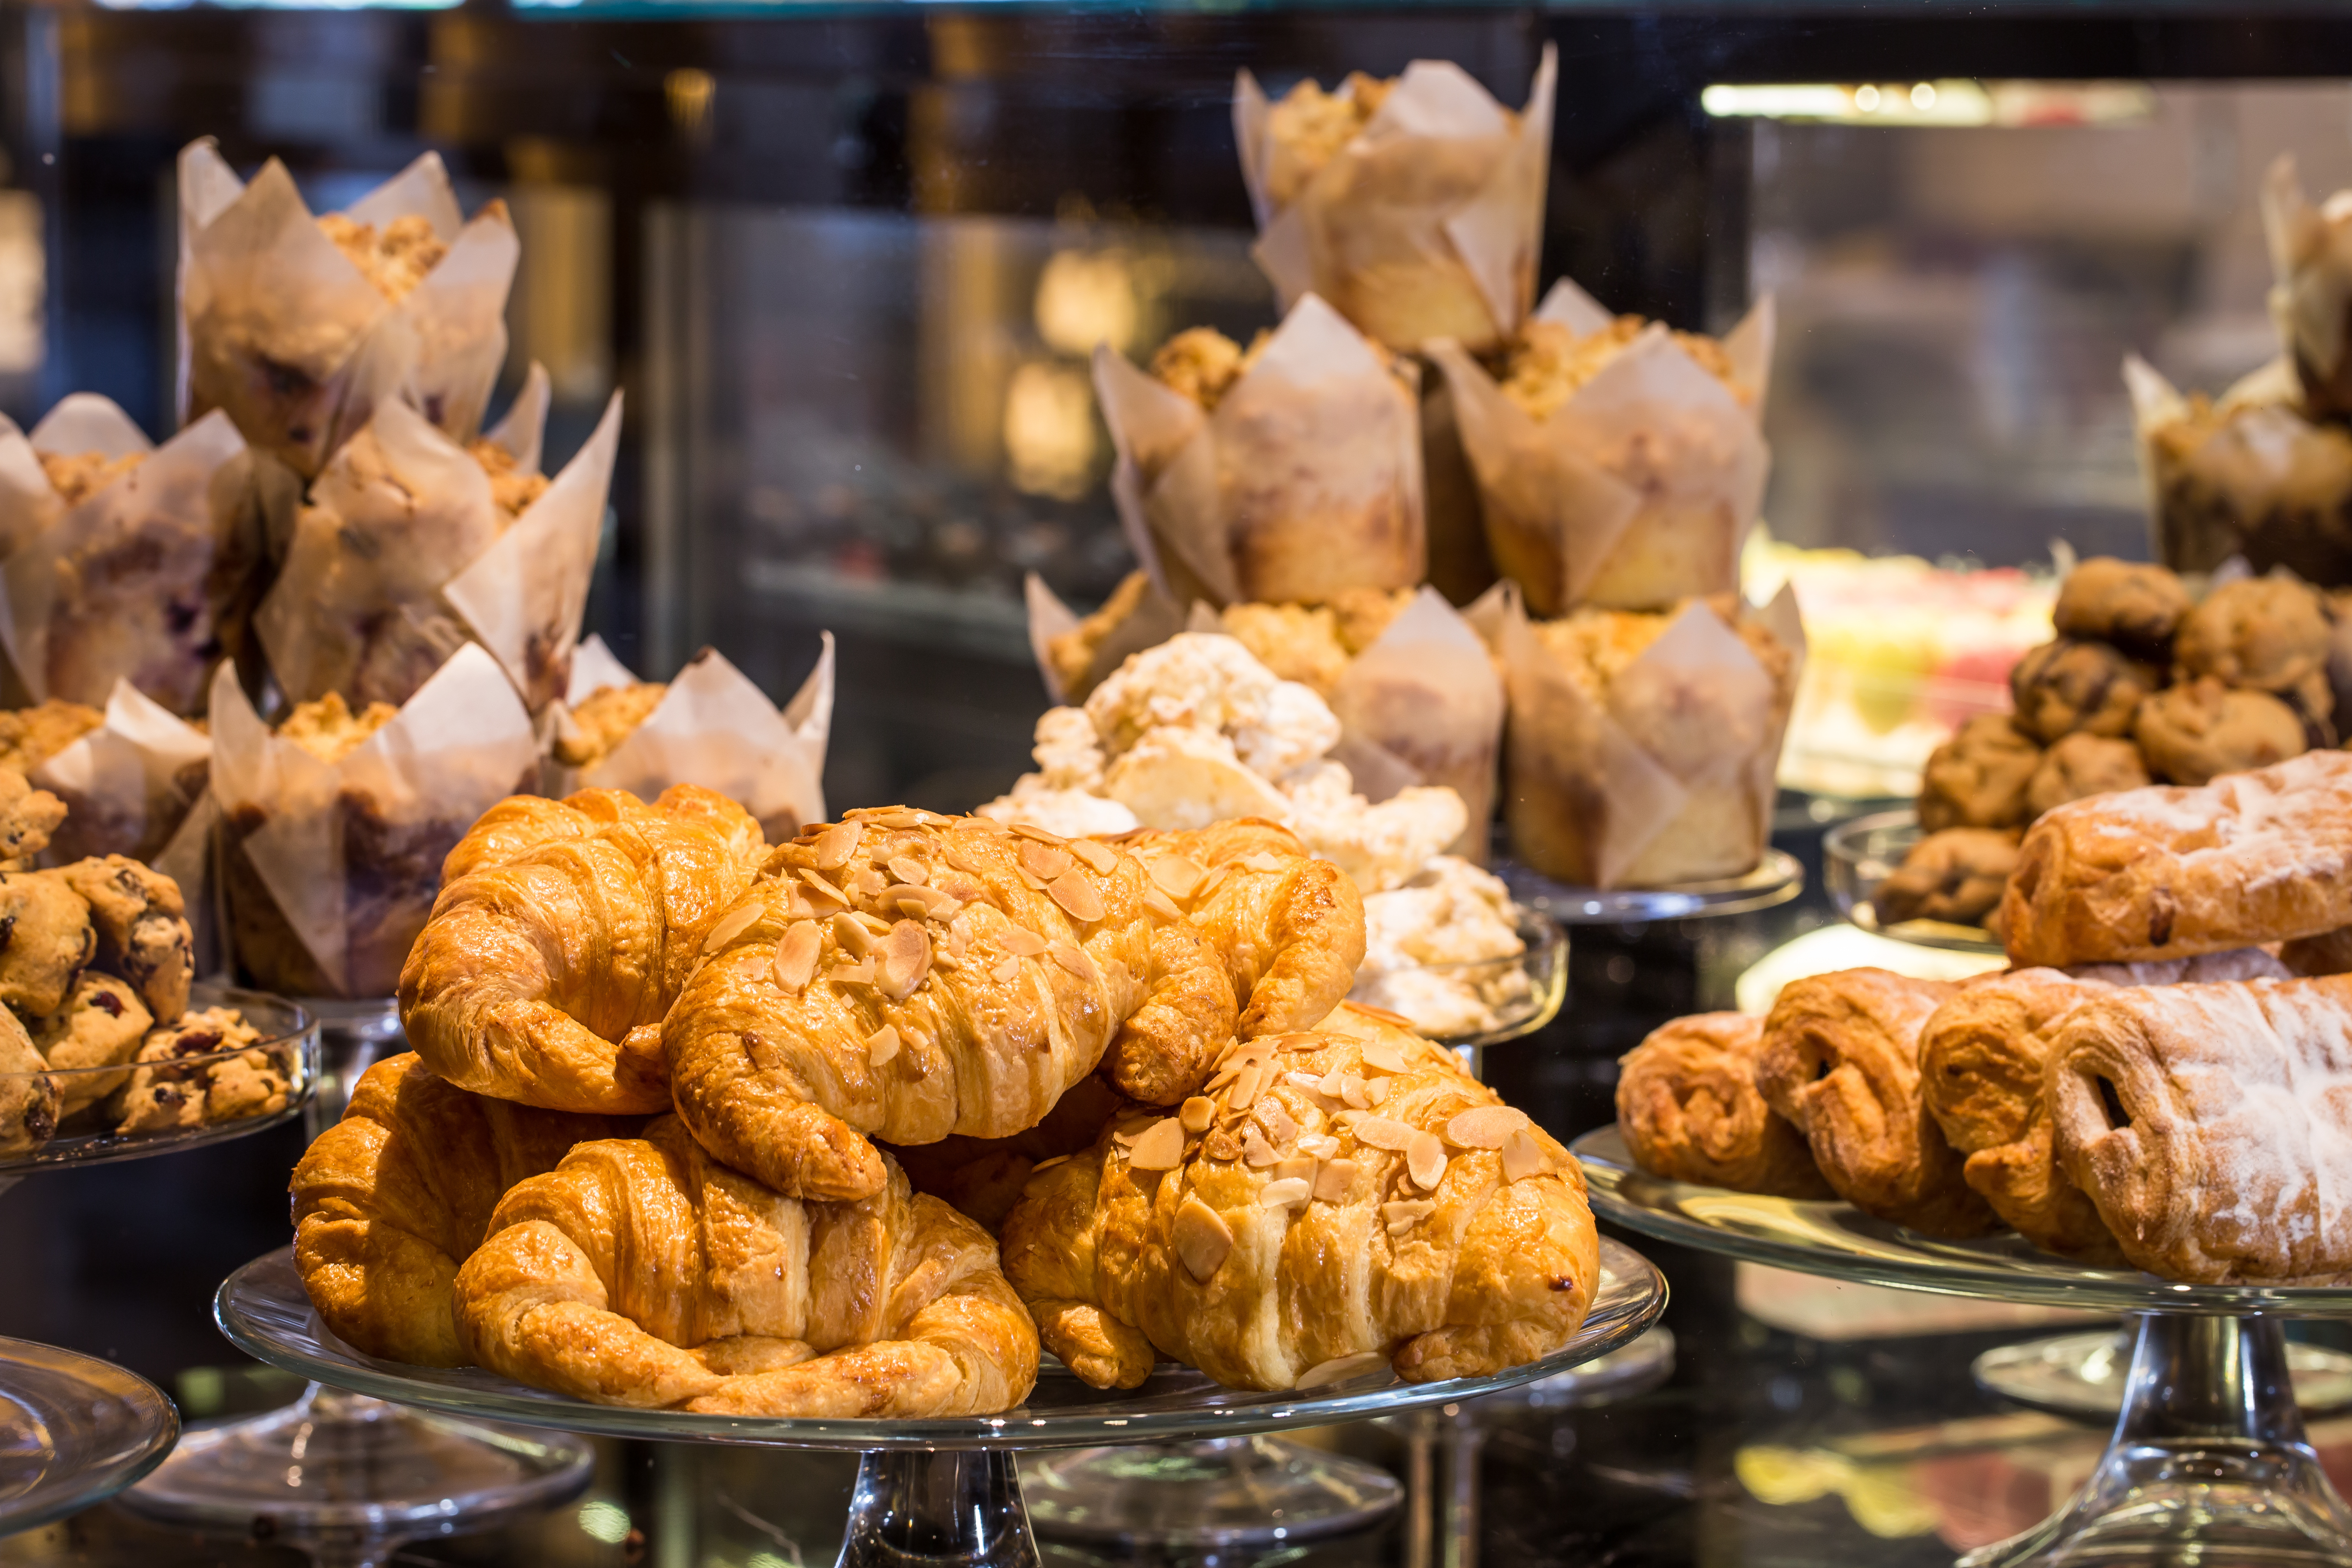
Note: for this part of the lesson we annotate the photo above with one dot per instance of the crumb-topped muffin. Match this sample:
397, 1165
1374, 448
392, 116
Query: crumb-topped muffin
511, 489
1549, 361
78, 475
394, 257
1314, 644
31, 736
604, 719
329, 731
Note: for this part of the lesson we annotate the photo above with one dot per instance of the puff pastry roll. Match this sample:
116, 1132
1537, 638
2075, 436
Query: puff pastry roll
2212, 1126
641, 1272
561, 934
1690, 1109
1288, 927
903, 976
1841, 1060
2159, 873
1334, 1201
1982, 1057
390, 1200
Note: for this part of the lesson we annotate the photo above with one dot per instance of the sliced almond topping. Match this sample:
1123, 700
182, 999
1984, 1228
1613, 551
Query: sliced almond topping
943, 959
1176, 876
1221, 1144
733, 924
1019, 943
874, 923
1074, 959
1378, 1090
1077, 896
1102, 858
1245, 1087
1383, 1133
1161, 904
882, 1045
1383, 1054
1265, 860
869, 882
1030, 879
1352, 1089
859, 973
1340, 1369
1201, 1238
1222, 1076
906, 868
1049, 1164
1197, 1112
1044, 860
1207, 886
1322, 1145
1125, 1136
893, 816
1284, 1192
986, 825
796, 902
1485, 1127
829, 897
1007, 972
1298, 1166
1030, 830
906, 958
1403, 1214
1305, 1080
1524, 1156
1257, 1150
1278, 1122
837, 843
796, 952
1161, 1147
1329, 1085
1425, 1161
1333, 1178
852, 935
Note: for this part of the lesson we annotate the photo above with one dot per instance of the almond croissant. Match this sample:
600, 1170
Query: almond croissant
641, 1272
1339, 1199
563, 932
1289, 928
394, 1197
903, 976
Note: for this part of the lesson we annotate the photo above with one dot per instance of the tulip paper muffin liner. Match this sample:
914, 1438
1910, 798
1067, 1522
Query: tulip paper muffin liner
2311, 302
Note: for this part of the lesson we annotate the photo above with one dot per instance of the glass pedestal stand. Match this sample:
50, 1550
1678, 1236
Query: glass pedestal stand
943, 1491
349, 1478
2209, 1463
2084, 1375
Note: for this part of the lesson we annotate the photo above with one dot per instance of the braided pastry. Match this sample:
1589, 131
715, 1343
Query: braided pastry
394, 1197
641, 1272
564, 933
1338, 1200
1289, 928
904, 976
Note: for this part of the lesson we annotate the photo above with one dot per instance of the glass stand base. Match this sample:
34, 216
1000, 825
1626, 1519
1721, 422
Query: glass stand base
349, 1479
937, 1509
1228, 1492
2083, 1376
2209, 1465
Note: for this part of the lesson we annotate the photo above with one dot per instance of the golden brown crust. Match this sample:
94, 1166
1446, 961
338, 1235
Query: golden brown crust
983, 1177
1690, 1110
31, 736
1841, 1060
329, 731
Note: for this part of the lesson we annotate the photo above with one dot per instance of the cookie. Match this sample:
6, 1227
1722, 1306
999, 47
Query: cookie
2136, 605
29, 1102
44, 941
1958, 876
142, 928
171, 1086
2201, 729
2069, 684
1978, 777
2266, 633
102, 1024
28, 817
2083, 764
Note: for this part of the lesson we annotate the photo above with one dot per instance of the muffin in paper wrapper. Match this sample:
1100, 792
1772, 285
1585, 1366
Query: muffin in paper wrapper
1638, 491
149, 579
402, 556
1665, 778
1305, 480
2249, 475
328, 870
713, 727
278, 328
1425, 224
2311, 302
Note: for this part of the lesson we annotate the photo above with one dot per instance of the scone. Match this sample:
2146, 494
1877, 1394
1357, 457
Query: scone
2136, 606
2069, 684
2083, 764
1956, 876
2200, 729
1979, 777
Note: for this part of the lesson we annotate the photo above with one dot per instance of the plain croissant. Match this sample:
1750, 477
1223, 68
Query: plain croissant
1339, 1199
390, 1200
904, 976
641, 1272
563, 932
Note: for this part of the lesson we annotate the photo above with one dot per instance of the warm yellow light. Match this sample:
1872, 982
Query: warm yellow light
1956, 102
1084, 298
1049, 429
1865, 99
1922, 96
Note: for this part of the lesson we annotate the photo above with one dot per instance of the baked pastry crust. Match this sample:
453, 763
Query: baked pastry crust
903, 975
1841, 1060
1690, 1110
641, 1273
2194, 732
1978, 777
1212, 1261
2171, 872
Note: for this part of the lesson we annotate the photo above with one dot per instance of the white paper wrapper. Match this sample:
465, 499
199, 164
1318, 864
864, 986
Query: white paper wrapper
281, 330
151, 579
1427, 224
1639, 490
715, 728
1305, 480
330, 870
1154, 620
2311, 256
1667, 777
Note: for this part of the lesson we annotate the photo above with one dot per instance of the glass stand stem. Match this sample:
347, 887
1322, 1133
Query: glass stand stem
938, 1508
2209, 1463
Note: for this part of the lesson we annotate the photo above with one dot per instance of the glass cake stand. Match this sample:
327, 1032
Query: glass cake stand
74, 1430
1858, 855
349, 1478
1777, 878
2209, 1463
928, 1491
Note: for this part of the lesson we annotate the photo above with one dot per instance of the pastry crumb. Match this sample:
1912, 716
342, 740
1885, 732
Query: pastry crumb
329, 731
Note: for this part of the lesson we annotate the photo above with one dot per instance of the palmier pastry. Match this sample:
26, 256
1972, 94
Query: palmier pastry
902, 976
2269, 633
564, 933
2134, 604
390, 1200
2198, 730
1978, 777
1841, 1060
1690, 1109
2083, 764
641, 1272
1334, 1201
1956, 876
2068, 685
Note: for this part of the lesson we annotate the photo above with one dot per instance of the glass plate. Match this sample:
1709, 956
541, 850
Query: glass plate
1777, 879
1833, 1238
73, 1430
1857, 855
262, 1309
1544, 961
290, 1035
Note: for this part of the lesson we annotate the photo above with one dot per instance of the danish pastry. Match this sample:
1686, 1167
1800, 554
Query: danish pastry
1687, 1101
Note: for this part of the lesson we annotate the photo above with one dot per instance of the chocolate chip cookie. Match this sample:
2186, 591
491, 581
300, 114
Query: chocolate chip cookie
44, 941
2136, 606
101, 1025
181, 1066
29, 1104
2200, 729
2266, 633
142, 928
1956, 876
1978, 778
2069, 684
2083, 764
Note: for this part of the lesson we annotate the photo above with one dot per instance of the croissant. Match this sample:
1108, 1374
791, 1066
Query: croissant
390, 1200
1687, 1101
901, 975
641, 1272
561, 937
983, 1177
1334, 1200
1289, 928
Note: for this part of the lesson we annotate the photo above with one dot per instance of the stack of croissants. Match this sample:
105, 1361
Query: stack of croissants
2162, 1080
845, 1127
